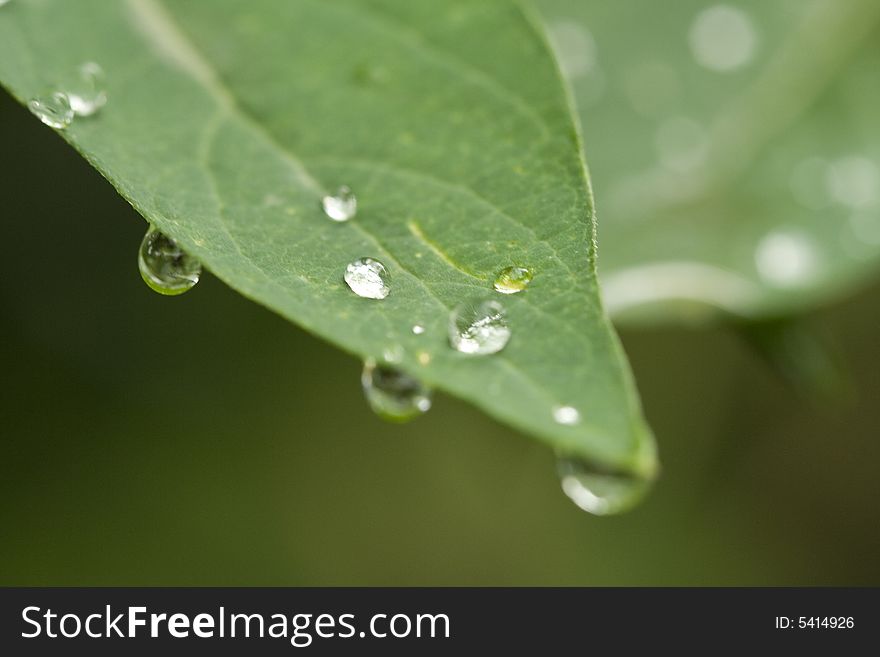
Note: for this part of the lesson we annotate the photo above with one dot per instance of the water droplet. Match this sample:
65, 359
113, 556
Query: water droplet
722, 38
87, 90
393, 395
418, 329
478, 328
599, 491
368, 278
393, 354
165, 267
786, 258
511, 280
682, 144
854, 181
567, 415
52, 109
342, 206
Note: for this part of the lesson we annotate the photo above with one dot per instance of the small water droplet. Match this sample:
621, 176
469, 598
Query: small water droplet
423, 357
418, 329
722, 38
164, 266
568, 415
511, 280
368, 278
392, 394
342, 206
87, 90
53, 109
599, 491
478, 328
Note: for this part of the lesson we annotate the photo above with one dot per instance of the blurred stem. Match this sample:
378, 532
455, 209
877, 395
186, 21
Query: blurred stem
802, 67
827, 36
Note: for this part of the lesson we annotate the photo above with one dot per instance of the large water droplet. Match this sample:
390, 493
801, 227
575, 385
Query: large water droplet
511, 280
53, 109
340, 207
368, 278
165, 267
86, 90
393, 395
478, 328
599, 491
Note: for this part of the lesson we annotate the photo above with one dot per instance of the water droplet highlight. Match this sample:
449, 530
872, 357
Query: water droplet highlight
722, 38
393, 395
165, 267
599, 491
511, 280
393, 354
52, 109
567, 415
368, 278
478, 328
86, 90
418, 329
342, 206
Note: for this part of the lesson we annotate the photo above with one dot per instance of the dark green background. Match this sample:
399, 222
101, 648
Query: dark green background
202, 440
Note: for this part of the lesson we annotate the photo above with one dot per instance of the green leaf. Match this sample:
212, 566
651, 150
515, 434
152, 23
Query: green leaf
735, 150
227, 122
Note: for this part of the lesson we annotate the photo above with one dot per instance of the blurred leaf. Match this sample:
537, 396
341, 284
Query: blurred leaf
734, 149
228, 121
805, 358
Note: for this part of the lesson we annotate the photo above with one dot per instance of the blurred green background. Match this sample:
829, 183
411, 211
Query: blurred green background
202, 440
